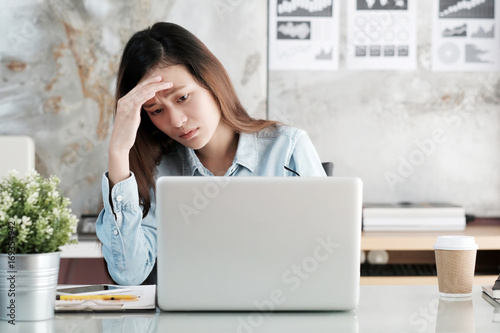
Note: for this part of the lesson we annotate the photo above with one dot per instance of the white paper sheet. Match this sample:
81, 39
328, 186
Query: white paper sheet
303, 34
381, 34
466, 35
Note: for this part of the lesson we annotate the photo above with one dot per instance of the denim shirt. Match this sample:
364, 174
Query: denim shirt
129, 241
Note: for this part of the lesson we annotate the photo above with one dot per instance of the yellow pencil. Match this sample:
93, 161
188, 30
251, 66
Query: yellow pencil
95, 297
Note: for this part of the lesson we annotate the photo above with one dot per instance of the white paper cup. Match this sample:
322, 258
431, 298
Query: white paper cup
455, 263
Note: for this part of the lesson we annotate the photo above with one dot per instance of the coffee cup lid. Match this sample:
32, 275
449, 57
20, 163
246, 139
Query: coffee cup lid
455, 243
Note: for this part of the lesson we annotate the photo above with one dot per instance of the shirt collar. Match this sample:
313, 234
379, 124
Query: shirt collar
193, 164
246, 156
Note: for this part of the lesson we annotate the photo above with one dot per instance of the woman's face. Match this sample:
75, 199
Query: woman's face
186, 112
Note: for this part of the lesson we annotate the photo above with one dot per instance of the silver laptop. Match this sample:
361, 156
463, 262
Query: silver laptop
258, 243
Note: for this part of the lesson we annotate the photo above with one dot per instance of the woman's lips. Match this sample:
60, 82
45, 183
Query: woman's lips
189, 135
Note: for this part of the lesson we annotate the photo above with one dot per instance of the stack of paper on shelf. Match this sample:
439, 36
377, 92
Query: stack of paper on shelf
413, 217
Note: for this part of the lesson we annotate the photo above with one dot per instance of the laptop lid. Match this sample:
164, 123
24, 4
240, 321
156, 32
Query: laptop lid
258, 243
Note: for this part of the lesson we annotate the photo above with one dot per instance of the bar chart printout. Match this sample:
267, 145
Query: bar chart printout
303, 34
466, 35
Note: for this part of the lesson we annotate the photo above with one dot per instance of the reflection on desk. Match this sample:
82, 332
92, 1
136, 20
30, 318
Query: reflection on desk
247, 322
381, 309
209, 322
419, 308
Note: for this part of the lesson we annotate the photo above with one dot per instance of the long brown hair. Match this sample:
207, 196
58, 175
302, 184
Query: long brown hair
168, 44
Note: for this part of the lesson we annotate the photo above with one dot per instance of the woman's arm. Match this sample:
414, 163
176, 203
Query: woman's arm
128, 240
127, 121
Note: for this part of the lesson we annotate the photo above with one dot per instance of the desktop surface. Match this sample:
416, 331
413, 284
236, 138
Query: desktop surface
381, 309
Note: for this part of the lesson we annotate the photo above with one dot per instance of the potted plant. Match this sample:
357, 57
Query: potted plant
35, 221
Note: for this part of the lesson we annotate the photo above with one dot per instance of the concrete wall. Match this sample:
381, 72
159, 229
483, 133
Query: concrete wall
409, 135
58, 63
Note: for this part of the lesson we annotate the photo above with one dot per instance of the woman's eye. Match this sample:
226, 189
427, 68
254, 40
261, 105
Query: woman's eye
183, 98
155, 112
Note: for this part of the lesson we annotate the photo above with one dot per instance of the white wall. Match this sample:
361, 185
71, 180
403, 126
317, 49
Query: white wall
369, 122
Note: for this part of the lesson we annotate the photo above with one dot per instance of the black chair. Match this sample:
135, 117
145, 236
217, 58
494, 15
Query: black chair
328, 166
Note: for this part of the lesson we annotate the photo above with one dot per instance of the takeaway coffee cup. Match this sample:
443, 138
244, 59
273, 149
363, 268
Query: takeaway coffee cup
455, 263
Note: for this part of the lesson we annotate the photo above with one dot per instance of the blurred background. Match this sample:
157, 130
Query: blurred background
58, 64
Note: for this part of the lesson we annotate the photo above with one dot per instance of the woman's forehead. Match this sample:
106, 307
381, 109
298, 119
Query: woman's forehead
171, 73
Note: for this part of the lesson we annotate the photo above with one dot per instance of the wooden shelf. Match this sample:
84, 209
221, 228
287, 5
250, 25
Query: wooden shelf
486, 236
485, 231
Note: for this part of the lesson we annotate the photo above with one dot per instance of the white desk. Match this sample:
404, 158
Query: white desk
381, 309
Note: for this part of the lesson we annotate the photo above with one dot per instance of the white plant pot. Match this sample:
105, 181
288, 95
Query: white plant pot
28, 285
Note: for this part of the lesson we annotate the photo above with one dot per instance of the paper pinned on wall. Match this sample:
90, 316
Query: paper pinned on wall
466, 35
303, 35
381, 34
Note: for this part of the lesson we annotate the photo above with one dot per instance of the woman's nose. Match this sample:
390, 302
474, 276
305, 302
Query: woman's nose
177, 117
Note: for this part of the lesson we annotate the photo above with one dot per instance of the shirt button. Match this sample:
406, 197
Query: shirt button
115, 232
119, 198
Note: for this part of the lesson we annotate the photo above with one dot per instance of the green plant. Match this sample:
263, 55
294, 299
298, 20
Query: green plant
34, 216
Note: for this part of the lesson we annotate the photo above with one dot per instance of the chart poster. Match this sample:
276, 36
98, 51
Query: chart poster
466, 35
381, 34
303, 34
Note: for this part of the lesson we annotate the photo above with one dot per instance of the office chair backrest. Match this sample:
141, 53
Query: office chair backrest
17, 152
328, 166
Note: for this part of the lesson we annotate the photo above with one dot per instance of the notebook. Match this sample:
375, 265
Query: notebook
493, 291
146, 300
258, 243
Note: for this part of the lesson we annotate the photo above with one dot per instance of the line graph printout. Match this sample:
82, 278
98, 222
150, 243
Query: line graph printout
305, 8
381, 34
303, 34
467, 9
466, 35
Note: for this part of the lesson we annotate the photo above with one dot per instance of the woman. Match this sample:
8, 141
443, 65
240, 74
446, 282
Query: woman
178, 114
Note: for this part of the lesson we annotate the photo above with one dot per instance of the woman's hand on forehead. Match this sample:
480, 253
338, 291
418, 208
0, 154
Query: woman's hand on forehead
128, 111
